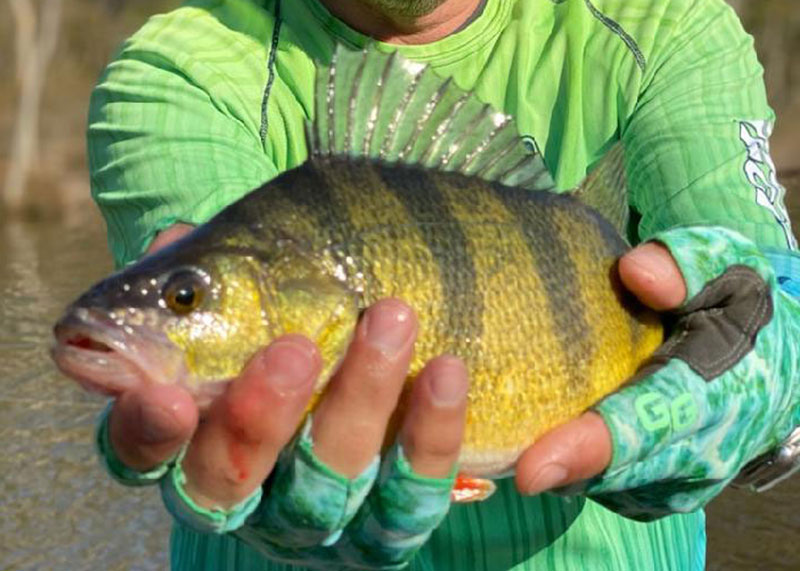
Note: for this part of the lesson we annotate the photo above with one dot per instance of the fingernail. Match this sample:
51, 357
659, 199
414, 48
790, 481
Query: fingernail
648, 267
157, 424
388, 327
448, 386
289, 366
550, 476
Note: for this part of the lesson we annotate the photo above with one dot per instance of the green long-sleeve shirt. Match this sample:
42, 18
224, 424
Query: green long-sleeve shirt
209, 101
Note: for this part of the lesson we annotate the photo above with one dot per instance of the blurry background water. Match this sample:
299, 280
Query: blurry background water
59, 511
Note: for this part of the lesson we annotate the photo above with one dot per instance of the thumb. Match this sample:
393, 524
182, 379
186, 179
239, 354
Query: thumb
148, 427
570, 453
650, 272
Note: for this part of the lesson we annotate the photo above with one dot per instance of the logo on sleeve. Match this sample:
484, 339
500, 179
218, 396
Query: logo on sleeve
761, 173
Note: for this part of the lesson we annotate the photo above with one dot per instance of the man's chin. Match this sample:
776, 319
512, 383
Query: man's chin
405, 8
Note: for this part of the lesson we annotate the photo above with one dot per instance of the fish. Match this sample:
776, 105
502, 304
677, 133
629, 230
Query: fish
415, 190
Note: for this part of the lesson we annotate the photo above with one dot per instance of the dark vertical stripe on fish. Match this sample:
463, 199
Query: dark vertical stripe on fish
615, 246
559, 277
307, 188
425, 204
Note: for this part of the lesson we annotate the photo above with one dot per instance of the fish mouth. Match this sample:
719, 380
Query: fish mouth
107, 356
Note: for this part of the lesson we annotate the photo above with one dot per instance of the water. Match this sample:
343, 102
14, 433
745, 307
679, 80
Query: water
60, 511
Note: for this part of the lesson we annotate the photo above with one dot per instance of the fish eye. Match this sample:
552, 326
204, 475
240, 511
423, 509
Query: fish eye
184, 292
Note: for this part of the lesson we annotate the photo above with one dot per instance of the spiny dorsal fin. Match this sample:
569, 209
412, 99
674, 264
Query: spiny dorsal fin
382, 106
606, 188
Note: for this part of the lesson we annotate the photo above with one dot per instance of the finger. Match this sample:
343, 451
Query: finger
434, 425
149, 426
169, 235
235, 448
575, 451
406, 505
651, 274
350, 422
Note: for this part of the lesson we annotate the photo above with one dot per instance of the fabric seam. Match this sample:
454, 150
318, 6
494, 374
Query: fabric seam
276, 31
612, 25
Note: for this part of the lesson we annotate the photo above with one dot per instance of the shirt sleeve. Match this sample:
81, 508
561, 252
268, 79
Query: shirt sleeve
169, 136
697, 143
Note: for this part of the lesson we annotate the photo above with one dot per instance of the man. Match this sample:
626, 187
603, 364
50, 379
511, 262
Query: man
208, 102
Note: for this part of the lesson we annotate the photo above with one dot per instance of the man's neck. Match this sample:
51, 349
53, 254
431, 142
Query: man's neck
369, 19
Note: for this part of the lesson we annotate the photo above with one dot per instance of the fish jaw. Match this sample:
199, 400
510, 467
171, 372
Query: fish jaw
108, 356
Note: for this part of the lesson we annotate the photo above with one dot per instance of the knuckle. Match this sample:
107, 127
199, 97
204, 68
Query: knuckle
430, 447
254, 423
366, 442
372, 384
243, 419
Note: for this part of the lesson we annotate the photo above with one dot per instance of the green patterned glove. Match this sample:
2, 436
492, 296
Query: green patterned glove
721, 391
309, 515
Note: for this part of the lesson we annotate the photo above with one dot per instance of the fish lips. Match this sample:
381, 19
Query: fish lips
109, 356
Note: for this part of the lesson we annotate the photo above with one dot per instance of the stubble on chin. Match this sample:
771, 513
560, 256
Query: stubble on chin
405, 8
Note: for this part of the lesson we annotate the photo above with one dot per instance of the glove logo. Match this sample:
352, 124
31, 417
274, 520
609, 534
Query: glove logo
656, 413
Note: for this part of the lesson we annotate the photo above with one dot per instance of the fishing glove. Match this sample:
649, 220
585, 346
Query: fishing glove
308, 514
723, 389
311, 515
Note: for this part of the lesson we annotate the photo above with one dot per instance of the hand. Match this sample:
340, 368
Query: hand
721, 391
581, 449
236, 446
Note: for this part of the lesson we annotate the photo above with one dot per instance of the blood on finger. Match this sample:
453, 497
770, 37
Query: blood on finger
238, 453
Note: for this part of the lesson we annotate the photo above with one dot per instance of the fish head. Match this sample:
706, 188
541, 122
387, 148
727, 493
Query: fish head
195, 312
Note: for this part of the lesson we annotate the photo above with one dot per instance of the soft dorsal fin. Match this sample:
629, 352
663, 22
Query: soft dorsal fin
377, 105
606, 188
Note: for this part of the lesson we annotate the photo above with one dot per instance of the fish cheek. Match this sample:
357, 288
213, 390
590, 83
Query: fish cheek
218, 341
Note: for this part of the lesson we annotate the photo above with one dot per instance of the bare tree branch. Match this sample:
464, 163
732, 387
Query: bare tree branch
35, 47
24, 14
48, 36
